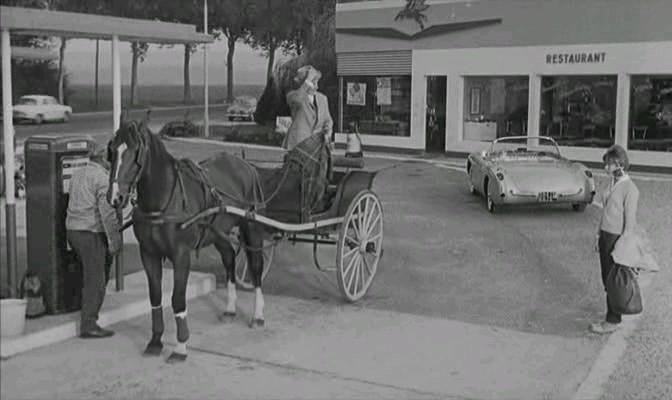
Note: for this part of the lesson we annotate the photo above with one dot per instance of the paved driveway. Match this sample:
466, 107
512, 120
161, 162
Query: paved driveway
465, 304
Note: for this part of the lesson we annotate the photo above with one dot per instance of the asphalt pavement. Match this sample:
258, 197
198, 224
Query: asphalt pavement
465, 304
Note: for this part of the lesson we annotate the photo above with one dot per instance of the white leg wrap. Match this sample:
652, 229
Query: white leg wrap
258, 304
231, 297
182, 315
181, 348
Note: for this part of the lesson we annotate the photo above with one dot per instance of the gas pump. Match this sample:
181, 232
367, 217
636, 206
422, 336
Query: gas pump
50, 163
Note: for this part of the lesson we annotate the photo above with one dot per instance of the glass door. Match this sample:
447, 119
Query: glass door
435, 114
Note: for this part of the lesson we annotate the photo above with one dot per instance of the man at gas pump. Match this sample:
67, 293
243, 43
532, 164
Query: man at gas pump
93, 232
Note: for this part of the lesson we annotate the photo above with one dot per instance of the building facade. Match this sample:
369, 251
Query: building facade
588, 73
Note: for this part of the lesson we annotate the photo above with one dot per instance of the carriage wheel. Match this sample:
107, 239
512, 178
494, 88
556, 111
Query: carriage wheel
243, 275
360, 245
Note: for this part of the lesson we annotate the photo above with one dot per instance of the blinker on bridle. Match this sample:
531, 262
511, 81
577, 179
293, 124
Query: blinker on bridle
139, 159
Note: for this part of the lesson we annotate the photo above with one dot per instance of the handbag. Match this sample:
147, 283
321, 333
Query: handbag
623, 292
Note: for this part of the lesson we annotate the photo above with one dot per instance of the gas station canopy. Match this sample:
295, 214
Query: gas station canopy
30, 21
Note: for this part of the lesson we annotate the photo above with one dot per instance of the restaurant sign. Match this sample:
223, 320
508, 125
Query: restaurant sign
576, 58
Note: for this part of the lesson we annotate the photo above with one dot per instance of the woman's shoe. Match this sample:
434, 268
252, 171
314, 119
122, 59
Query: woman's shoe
604, 327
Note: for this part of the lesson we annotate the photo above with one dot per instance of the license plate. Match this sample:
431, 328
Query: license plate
547, 196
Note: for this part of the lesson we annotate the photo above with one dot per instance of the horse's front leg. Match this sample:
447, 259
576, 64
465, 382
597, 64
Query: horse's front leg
181, 266
154, 269
228, 255
253, 237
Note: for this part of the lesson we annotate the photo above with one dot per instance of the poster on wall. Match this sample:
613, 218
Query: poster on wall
356, 94
384, 91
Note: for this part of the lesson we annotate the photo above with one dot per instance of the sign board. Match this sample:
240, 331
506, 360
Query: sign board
70, 164
384, 91
356, 95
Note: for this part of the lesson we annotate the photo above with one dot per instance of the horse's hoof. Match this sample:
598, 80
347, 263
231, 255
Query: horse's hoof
227, 316
153, 349
257, 322
175, 358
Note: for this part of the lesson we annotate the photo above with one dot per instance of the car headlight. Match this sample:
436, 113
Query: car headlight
588, 173
500, 176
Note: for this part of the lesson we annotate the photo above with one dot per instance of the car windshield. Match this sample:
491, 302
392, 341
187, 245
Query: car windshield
27, 101
524, 149
245, 101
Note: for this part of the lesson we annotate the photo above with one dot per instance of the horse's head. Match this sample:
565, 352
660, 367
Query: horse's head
127, 154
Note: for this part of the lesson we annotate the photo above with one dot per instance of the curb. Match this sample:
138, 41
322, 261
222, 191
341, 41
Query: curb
456, 164
592, 387
199, 285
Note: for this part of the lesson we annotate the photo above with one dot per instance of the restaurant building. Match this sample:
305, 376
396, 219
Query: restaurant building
588, 74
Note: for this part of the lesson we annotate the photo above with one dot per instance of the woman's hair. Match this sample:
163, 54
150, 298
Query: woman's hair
302, 74
617, 154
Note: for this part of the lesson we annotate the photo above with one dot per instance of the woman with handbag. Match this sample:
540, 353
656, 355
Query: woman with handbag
619, 201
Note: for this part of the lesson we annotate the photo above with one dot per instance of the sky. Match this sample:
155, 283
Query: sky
163, 66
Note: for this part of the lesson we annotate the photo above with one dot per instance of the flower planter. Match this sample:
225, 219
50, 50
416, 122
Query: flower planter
12, 317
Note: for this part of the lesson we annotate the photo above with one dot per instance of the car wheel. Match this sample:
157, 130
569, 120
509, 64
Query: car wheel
66, 116
579, 207
39, 119
492, 207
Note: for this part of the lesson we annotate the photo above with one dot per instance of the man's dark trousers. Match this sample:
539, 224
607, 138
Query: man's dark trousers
92, 250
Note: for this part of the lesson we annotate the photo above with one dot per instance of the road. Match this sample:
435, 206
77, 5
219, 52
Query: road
465, 304
100, 124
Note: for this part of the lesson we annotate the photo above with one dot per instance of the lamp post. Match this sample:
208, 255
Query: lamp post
8, 132
206, 117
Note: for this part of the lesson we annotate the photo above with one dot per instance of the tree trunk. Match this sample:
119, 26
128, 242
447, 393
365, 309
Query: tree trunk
272, 47
97, 68
186, 98
134, 75
61, 72
229, 68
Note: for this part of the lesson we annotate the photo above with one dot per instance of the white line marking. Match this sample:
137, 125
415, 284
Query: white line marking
592, 388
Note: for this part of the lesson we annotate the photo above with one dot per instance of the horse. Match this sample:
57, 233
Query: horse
169, 191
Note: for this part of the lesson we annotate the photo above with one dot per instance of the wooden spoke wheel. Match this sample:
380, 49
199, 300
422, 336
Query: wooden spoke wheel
360, 245
243, 273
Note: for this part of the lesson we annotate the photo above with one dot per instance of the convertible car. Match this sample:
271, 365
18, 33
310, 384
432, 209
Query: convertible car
528, 170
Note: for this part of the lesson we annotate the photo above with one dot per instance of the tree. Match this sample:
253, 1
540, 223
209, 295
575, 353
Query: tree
414, 9
233, 19
315, 19
273, 25
138, 54
148, 9
185, 12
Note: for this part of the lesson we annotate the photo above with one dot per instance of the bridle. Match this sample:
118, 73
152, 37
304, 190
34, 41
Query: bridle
140, 159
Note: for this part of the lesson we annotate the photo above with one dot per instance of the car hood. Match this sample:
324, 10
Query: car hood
544, 177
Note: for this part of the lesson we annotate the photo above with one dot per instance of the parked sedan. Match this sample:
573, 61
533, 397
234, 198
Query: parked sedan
41, 108
528, 170
243, 108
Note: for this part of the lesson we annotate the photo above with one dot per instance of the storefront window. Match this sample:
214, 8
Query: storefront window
495, 106
380, 105
579, 110
650, 120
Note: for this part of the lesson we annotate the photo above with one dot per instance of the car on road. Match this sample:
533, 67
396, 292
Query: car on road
40, 108
243, 108
528, 170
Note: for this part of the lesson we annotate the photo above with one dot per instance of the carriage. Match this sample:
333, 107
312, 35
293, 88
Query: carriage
351, 219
